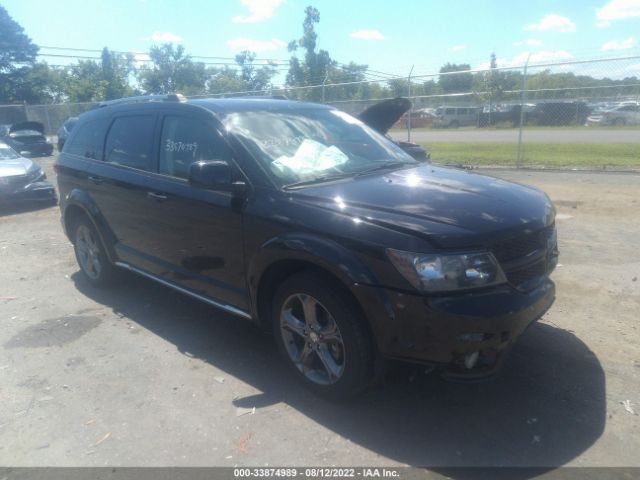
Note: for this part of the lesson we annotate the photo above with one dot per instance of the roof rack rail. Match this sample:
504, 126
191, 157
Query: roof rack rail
261, 97
170, 97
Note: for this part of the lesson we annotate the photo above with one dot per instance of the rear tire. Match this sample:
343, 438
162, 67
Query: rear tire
91, 255
322, 336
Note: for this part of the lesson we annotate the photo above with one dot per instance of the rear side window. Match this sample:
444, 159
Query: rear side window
188, 140
89, 139
462, 111
130, 141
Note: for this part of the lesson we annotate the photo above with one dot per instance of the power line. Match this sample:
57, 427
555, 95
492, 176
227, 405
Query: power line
90, 50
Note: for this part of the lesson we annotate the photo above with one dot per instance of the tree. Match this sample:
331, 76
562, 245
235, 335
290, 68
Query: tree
456, 83
17, 54
316, 65
17, 47
172, 71
255, 79
116, 69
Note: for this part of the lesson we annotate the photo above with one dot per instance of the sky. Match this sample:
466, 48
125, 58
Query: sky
389, 37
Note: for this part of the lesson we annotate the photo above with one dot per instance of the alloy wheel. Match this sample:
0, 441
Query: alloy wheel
88, 252
312, 339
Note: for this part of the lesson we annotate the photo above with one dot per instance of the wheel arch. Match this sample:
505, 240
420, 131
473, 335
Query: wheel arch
78, 204
282, 257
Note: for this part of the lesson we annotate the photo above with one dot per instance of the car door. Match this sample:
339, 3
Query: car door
193, 236
119, 182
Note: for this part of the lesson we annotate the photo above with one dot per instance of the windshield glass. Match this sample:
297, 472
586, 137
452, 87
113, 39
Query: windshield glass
312, 144
8, 153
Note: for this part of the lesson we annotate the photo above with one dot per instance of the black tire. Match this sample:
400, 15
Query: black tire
95, 266
352, 350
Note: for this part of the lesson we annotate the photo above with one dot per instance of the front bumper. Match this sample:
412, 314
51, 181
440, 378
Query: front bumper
447, 331
34, 149
36, 191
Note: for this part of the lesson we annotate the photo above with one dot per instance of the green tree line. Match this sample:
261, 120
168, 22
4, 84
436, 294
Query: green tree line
171, 69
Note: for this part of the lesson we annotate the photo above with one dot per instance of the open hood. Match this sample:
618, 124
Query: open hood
37, 126
383, 115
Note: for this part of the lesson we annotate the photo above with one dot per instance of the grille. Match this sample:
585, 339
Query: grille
522, 246
9, 184
530, 272
510, 251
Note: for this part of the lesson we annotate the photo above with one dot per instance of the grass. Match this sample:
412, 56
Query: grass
511, 127
540, 154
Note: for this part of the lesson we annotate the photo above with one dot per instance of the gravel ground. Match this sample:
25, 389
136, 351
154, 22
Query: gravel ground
141, 375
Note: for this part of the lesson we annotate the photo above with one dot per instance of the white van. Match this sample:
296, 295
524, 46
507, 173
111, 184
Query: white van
454, 117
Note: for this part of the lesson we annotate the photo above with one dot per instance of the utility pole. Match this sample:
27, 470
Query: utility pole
522, 101
324, 82
409, 112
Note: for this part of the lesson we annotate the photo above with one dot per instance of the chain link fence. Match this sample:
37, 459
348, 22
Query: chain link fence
574, 113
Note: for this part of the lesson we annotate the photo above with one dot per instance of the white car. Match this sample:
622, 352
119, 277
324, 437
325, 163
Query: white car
623, 114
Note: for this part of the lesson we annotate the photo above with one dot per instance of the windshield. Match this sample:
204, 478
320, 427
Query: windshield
8, 153
313, 144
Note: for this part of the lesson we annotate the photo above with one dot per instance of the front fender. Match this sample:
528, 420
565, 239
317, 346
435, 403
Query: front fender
329, 256
78, 198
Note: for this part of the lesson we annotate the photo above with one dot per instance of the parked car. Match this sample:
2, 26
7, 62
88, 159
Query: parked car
454, 117
504, 114
313, 225
26, 138
559, 113
623, 114
383, 115
22, 179
64, 130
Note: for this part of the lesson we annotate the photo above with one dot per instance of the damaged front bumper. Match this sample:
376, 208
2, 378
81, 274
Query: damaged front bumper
36, 191
467, 335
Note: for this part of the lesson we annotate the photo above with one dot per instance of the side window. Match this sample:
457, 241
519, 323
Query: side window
185, 141
462, 111
89, 139
450, 111
130, 141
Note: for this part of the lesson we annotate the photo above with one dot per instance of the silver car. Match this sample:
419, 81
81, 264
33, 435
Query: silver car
623, 114
22, 179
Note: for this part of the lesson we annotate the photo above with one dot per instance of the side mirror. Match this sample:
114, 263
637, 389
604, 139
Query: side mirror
214, 175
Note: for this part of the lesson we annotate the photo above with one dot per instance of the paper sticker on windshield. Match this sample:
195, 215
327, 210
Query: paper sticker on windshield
346, 117
312, 157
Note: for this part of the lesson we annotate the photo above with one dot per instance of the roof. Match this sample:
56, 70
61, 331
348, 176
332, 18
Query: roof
245, 104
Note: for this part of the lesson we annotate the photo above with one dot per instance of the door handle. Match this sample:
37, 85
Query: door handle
96, 180
157, 196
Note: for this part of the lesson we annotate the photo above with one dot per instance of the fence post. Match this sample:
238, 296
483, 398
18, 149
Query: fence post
522, 100
46, 116
409, 112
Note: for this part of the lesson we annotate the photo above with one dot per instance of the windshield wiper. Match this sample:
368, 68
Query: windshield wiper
384, 166
321, 179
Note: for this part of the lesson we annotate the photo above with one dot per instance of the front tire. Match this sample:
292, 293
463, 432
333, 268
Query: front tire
322, 336
91, 255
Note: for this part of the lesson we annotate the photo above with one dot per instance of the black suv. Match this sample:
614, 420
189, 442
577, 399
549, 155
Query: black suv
315, 226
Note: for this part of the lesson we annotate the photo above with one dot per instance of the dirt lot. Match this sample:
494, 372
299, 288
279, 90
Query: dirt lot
140, 375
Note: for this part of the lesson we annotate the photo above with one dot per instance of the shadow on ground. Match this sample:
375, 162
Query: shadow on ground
545, 409
8, 209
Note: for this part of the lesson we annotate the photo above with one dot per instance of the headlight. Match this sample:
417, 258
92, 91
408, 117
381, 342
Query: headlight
438, 273
35, 173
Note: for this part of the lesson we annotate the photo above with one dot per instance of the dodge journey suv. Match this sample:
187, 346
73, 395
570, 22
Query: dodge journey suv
315, 226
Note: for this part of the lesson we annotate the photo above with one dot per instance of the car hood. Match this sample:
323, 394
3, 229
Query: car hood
449, 207
21, 126
17, 166
383, 115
